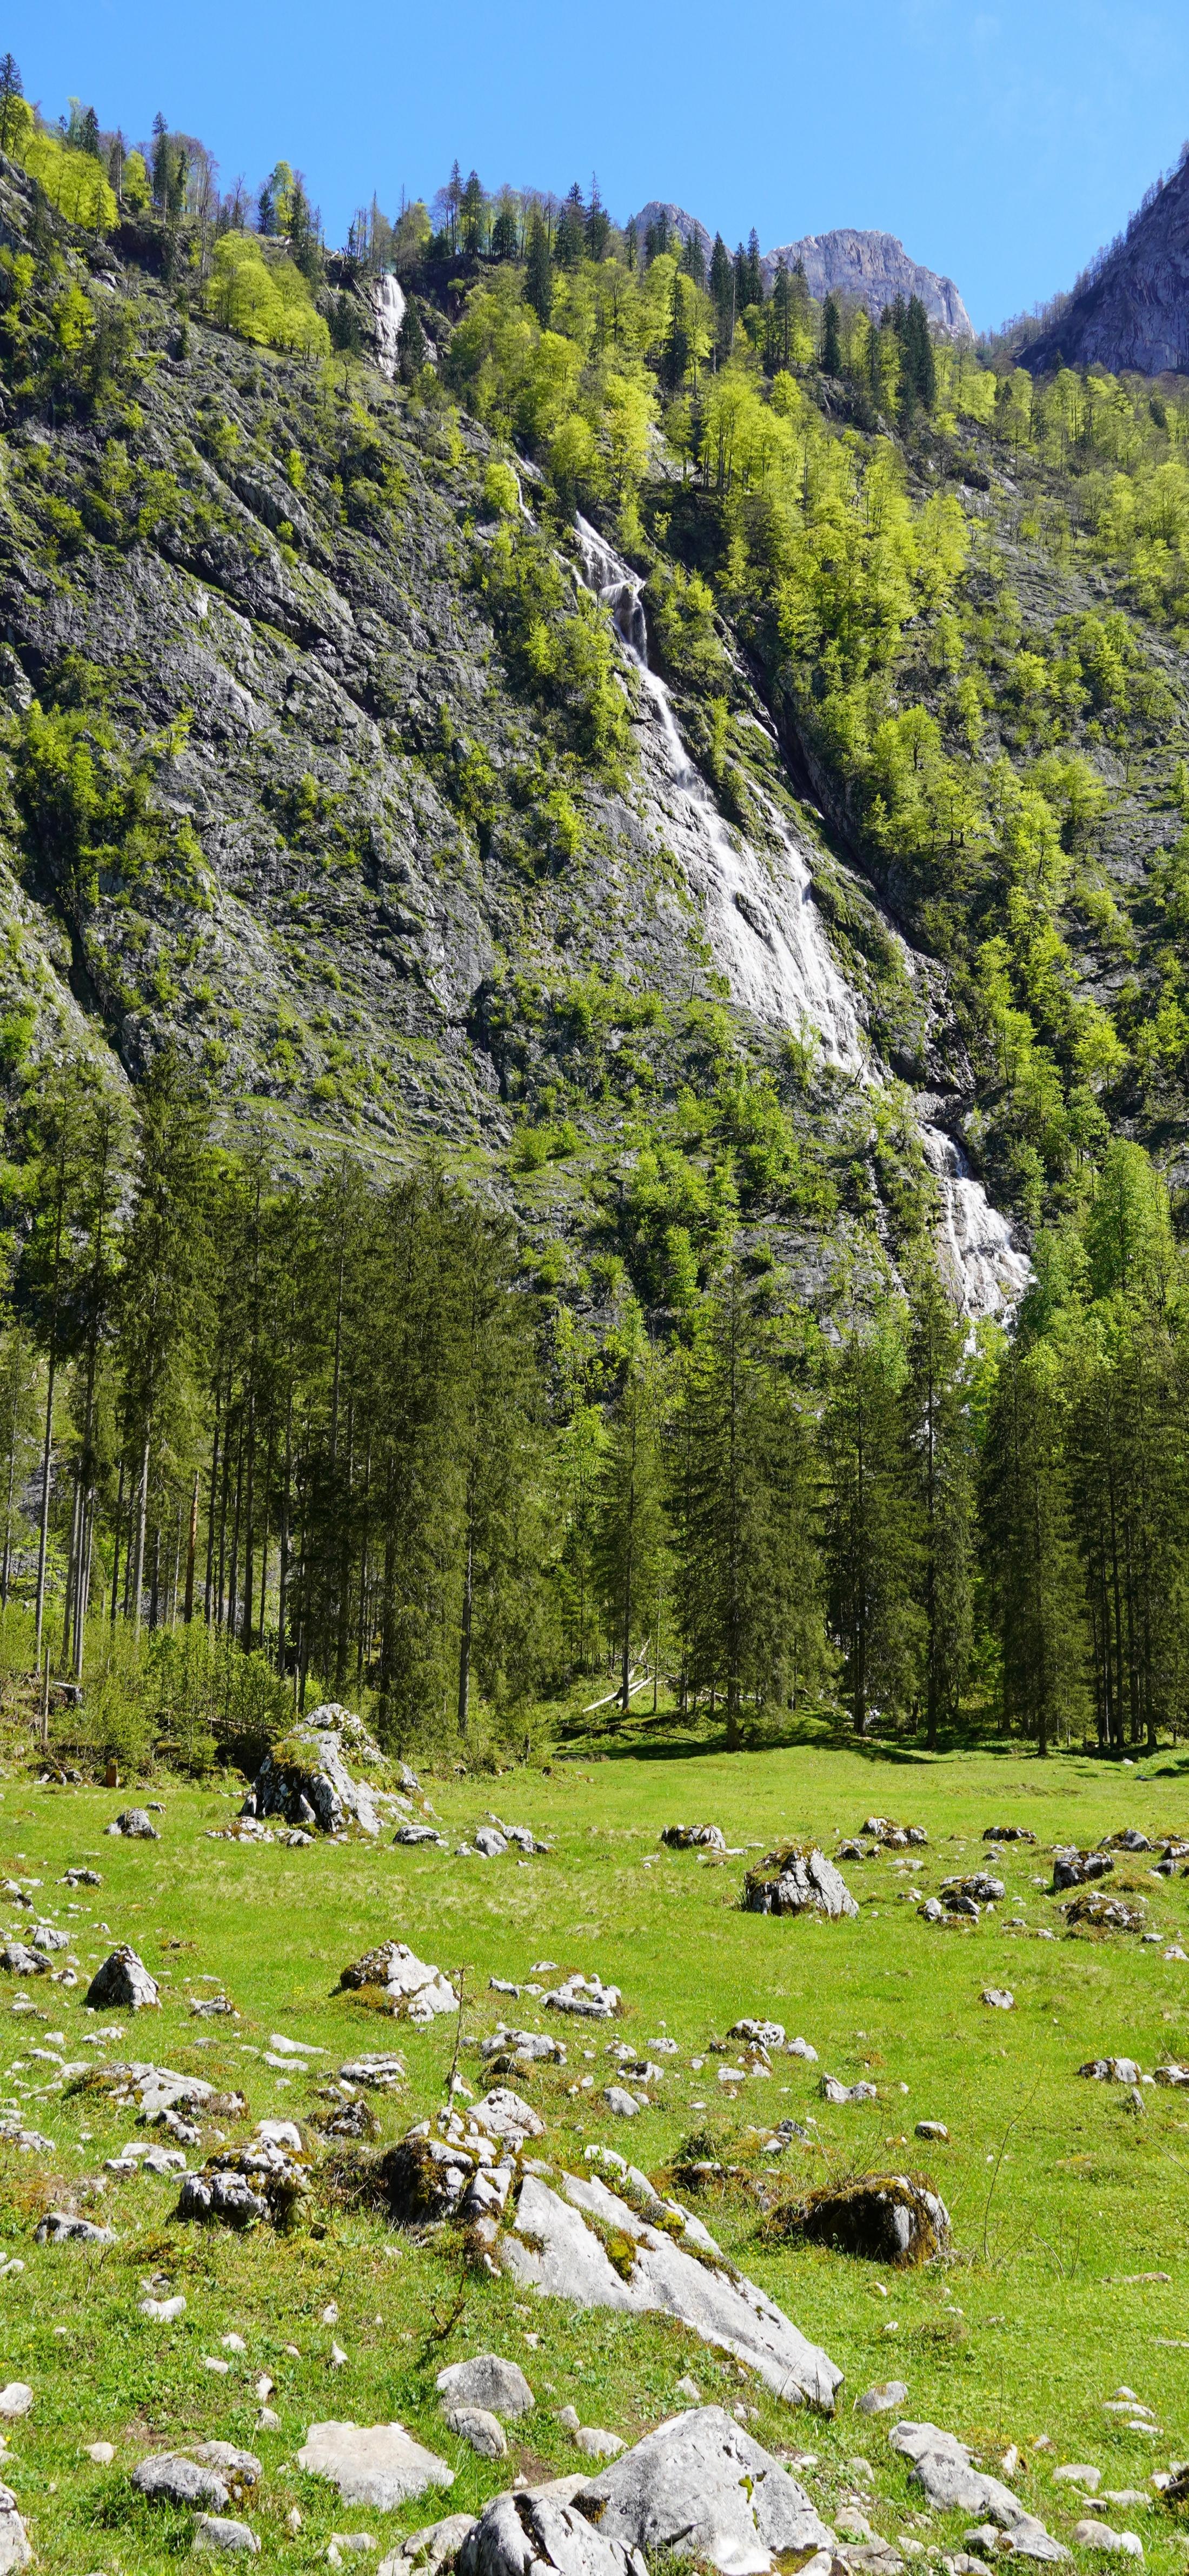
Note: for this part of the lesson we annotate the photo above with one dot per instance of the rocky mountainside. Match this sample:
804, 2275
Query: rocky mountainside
874, 268
1133, 309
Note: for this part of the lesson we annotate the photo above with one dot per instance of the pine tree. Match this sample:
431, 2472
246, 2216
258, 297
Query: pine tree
505, 235
411, 347
831, 359
472, 207
598, 225
571, 234
693, 259
1034, 1579
538, 270
941, 1459
630, 1525
11, 89
755, 280
722, 289
675, 356
871, 1522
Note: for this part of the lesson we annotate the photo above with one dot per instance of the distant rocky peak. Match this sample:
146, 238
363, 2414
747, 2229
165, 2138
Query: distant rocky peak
1131, 307
874, 268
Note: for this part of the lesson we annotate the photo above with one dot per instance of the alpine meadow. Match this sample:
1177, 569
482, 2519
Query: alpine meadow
594, 1386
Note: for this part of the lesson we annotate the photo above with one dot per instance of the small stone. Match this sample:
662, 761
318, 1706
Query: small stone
136, 1824
595, 2444
102, 2453
883, 2399
16, 2399
214, 2361
689, 2389
620, 2101
1090, 2534
268, 2420
214, 2536
338, 2358
999, 1998
163, 2311
1075, 2473
60, 2227
487, 2381
935, 2129
478, 2426
234, 2343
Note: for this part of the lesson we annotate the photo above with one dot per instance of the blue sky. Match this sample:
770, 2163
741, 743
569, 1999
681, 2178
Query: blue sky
1002, 144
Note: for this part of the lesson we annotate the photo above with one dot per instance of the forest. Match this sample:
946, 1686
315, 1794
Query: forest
264, 1440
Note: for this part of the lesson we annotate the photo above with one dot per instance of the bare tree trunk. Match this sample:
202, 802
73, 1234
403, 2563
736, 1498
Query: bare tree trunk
142, 1515
191, 1551
44, 1529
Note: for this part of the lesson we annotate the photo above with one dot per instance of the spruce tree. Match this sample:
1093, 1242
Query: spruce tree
630, 1525
831, 358
11, 89
941, 1461
1034, 1579
538, 270
872, 1522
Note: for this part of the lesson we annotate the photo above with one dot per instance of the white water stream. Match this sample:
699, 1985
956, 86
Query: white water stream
766, 936
388, 299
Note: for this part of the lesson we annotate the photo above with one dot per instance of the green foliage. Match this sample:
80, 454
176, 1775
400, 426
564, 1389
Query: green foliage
264, 298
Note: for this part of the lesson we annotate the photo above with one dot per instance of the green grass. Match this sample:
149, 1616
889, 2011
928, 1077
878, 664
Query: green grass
1024, 2334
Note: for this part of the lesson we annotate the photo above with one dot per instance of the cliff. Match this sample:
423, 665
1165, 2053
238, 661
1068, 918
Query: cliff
874, 268
1134, 313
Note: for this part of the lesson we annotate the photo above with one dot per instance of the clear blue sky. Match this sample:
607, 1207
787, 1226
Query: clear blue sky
1002, 144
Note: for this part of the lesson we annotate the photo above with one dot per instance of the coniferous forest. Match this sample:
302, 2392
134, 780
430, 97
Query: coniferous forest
550, 1336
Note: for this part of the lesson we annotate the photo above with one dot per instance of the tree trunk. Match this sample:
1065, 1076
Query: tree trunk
44, 1529
142, 1515
191, 1551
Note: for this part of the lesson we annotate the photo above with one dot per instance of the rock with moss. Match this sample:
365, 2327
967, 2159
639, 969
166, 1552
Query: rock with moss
793, 1880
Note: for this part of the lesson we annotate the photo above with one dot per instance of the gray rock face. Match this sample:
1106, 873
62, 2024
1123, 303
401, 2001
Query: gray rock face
700, 2487
122, 1984
487, 2381
551, 2249
1133, 309
209, 2473
372, 2464
14, 2539
794, 1882
874, 268
525, 2535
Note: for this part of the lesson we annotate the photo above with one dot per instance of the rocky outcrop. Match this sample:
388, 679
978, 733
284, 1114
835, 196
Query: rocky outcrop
874, 268
1133, 309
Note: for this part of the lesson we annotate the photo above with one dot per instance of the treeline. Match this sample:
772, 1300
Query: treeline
338, 1431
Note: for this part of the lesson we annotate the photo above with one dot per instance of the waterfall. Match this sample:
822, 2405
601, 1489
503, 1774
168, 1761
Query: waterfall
766, 936
389, 304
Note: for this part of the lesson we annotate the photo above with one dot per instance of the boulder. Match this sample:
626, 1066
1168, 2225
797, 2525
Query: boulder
478, 2426
943, 2471
701, 2487
238, 2186
487, 2381
415, 1991
549, 2247
528, 2047
429, 2551
1130, 1840
1101, 1913
886, 2218
374, 2465
14, 2539
792, 1881
207, 2473
1073, 1868
134, 1822
413, 1834
693, 1838
490, 1843
832, 2091
379, 2071
305, 1777
1007, 1834
22, 1961
588, 1997
1112, 2070
530, 2535
61, 2227
506, 2115
15, 2399
622, 2104
1173, 2073
1000, 1998
1089, 2533
977, 1884
886, 2398
935, 2129
761, 2034
122, 1984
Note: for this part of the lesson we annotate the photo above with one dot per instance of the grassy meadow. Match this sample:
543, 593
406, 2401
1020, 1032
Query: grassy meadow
1069, 2211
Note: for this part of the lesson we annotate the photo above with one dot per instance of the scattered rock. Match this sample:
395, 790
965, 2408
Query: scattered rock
701, 2487
623, 2104
1075, 2473
1000, 1998
886, 2218
894, 1837
1007, 1834
529, 2535
935, 2129
791, 1881
490, 1843
60, 2227
694, 1838
16, 2399
1106, 1913
1111, 2070
210, 2474
21, 1961
412, 1834
372, 2464
977, 1885
478, 2426
380, 2071
215, 2535
588, 1997
1091, 2534
415, 1990
136, 1823
832, 2091
122, 1984
595, 2444
14, 2539
801, 2048
431, 2550
884, 2399
81, 1878
1130, 1840
162, 2312
943, 2470
519, 2050
102, 2453
506, 2115
1073, 1868
1173, 2073
487, 2381
549, 2247
761, 2034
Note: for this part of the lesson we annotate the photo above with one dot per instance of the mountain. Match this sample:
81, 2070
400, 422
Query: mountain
874, 268
687, 227
1132, 310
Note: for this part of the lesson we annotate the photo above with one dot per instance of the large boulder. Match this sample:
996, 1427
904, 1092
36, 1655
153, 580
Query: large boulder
62, 2227
530, 2535
791, 1881
136, 1823
700, 2487
240, 2185
122, 1984
374, 2465
549, 2247
415, 1991
307, 1778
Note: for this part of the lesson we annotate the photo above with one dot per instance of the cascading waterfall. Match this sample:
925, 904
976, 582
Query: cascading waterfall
389, 302
766, 936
